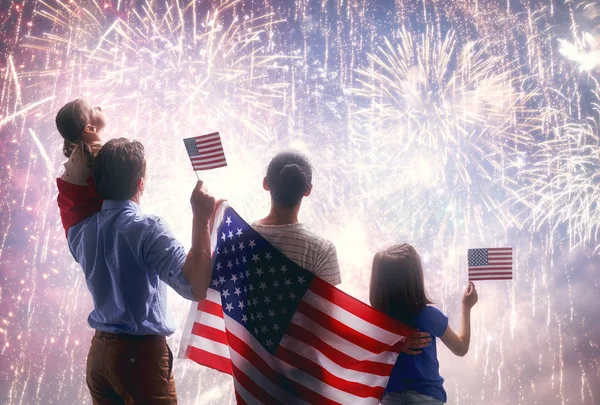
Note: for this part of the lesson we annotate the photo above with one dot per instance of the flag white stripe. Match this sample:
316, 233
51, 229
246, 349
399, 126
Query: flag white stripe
210, 346
497, 268
313, 354
351, 320
246, 396
255, 375
207, 165
341, 344
213, 295
293, 373
204, 318
485, 271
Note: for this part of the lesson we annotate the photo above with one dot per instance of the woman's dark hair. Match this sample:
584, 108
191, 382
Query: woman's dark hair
71, 120
118, 168
289, 176
397, 286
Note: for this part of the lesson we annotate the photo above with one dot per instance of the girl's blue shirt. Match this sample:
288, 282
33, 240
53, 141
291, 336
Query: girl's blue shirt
421, 373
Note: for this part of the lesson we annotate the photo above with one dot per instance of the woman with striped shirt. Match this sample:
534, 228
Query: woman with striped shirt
289, 179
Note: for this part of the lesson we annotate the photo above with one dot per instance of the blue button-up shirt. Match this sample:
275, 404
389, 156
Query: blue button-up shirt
128, 259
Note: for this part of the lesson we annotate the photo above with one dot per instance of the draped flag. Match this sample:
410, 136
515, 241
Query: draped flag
285, 335
490, 264
205, 151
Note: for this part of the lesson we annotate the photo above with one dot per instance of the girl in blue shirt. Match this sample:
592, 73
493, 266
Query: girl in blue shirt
397, 289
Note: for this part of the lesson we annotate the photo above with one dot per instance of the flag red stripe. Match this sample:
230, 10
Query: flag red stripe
314, 369
358, 308
207, 155
499, 249
239, 400
340, 329
340, 358
475, 268
211, 145
253, 388
492, 273
292, 387
202, 167
206, 136
209, 359
212, 308
210, 333
205, 160
490, 278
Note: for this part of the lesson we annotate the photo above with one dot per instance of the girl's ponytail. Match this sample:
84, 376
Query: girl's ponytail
68, 148
87, 155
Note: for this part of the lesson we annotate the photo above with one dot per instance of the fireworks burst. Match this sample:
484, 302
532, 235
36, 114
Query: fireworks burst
419, 116
167, 59
454, 110
561, 184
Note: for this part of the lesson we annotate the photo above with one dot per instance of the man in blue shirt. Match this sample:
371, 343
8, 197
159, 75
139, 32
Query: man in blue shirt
128, 259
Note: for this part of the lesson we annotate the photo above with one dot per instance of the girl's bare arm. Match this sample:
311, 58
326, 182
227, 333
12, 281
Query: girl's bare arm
459, 343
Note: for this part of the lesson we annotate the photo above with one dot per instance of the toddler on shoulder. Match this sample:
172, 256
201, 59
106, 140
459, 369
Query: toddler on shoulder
81, 127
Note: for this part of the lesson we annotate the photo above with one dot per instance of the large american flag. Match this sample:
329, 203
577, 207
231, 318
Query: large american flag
490, 264
285, 335
205, 151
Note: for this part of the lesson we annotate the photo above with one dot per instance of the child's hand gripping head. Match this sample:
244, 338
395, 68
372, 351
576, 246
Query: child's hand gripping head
80, 124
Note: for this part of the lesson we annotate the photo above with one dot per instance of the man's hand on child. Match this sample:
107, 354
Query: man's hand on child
416, 342
470, 296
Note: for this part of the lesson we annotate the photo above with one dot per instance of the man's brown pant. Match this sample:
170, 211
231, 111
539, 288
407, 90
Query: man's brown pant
130, 370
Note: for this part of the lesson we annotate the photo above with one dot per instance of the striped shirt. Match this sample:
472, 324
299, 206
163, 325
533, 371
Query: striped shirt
305, 248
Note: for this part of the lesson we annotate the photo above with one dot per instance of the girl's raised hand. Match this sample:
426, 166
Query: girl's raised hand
470, 296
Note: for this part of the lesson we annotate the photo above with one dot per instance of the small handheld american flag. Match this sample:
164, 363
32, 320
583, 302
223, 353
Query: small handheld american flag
490, 264
205, 151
